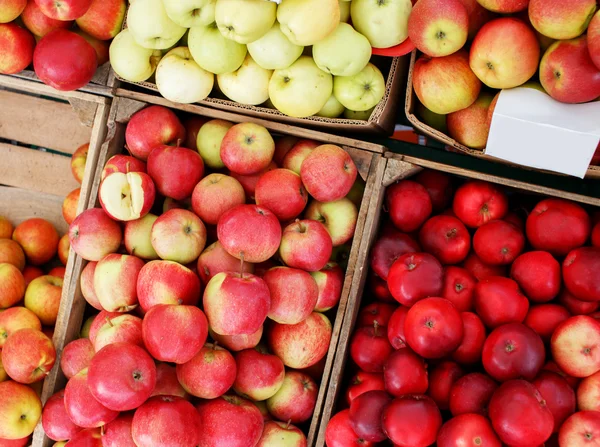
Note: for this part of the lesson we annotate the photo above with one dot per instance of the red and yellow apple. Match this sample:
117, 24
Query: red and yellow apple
282, 192
215, 194
20, 410
117, 328
63, 249
17, 48
247, 148
296, 398
12, 253
69, 207
103, 18
78, 161
178, 235
504, 6
175, 170
11, 9
42, 297
306, 244
86, 281
12, 285
294, 158
15, 318
93, 235
259, 374
339, 218
115, 280
137, 237
593, 37
28, 355
38, 238
561, 20
39, 23
330, 280
124, 164
471, 126
76, 356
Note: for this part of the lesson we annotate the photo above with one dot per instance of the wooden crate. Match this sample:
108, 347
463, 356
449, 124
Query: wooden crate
397, 168
370, 165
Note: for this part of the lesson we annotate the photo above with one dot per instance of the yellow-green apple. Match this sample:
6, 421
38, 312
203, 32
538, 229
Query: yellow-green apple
438, 27
567, 72
69, 207
82, 407
358, 115
180, 79
6, 228
344, 11
274, 51
63, 249
117, 328
165, 417
191, 13
17, 48
470, 126
91, 437
15, 318
282, 192
28, 355
167, 282
20, 410
445, 84
178, 235
249, 232
30, 273
236, 304
297, 154
55, 420
192, 125
296, 399
216, 194
357, 191
306, 244
85, 327
330, 280
363, 91
561, 20
294, 295
151, 127
244, 421
76, 356
39, 23
250, 181
491, 57
64, 60
344, 52
301, 345
121, 376
302, 25
247, 148
332, 108
137, 237
328, 173
86, 282
12, 285
283, 434
214, 259
574, 346
93, 234
78, 161
174, 333
127, 197
38, 239
209, 141
130, 60
167, 383
302, 89
384, 23
124, 164
11, 9
209, 374
339, 218
259, 374
249, 84
151, 27
42, 297
238, 342
262, 407
244, 20
12, 253
213, 51
64, 10
504, 6
58, 271
593, 37
115, 282
432, 119
478, 16
175, 170
103, 19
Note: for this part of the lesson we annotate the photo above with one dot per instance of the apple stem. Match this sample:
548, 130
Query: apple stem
289, 422
178, 142
242, 265
109, 322
215, 344
375, 328
102, 432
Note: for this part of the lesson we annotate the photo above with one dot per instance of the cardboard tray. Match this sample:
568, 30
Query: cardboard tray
593, 172
399, 167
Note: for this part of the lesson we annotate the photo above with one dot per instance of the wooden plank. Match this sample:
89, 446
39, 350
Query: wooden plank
28, 82
20, 204
36, 170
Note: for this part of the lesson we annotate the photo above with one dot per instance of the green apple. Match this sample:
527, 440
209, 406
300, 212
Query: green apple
189, 13
359, 116
432, 119
274, 50
383, 22
345, 52
245, 20
305, 22
249, 84
344, 10
209, 141
300, 90
332, 108
214, 52
362, 91
130, 60
150, 25
180, 79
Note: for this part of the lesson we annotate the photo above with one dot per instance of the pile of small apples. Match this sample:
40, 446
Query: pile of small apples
211, 327
470, 44
299, 56
43, 32
481, 328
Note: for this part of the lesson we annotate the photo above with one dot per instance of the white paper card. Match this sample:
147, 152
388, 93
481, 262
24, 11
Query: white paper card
532, 129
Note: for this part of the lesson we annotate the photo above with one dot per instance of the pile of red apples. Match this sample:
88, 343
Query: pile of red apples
480, 327
473, 48
210, 271
65, 40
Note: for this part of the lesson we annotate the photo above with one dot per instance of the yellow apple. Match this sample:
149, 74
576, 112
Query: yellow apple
355, 115
362, 91
249, 84
209, 140
345, 52
180, 79
151, 27
274, 50
332, 108
383, 22
305, 22
214, 52
130, 60
190, 13
245, 20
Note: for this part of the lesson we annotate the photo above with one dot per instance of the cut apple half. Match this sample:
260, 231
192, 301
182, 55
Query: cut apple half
127, 196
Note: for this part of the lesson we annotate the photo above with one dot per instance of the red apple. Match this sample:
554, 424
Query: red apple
247, 148
306, 244
409, 205
415, 276
339, 432
124, 164
68, 10
459, 288
128, 196
405, 372
17, 48
214, 195
363, 382
297, 154
30, 273
478, 202
466, 429
93, 235
395, 328
499, 301
481, 271
412, 420
69, 207
15, 318
376, 312
575, 306
167, 383
328, 173
214, 259
296, 398
42, 297
55, 420
593, 36
118, 432
437, 184
580, 269
283, 145
560, 21
103, 18
446, 238
469, 351
259, 374
39, 23
389, 247
82, 407
580, 428
575, 344
282, 192
276, 434
238, 342
175, 170
365, 415
544, 319
38, 238
138, 237
471, 394
91, 437
370, 348
115, 281
12, 253
20, 410
558, 395
330, 280
538, 275
498, 242
504, 6
76, 355
28, 356
250, 181
293, 293
12, 285
11, 9
116, 328
101, 47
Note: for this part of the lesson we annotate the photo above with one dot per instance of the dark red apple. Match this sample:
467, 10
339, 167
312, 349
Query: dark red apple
498, 242
459, 287
480, 270
339, 432
558, 394
468, 430
377, 312
395, 328
380, 288
441, 379
365, 415
405, 373
469, 350
544, 318
409, 205
580, 273
471, 394
477, 202
499, 301
446, 238
439, 187
412, 421
538, 275
389, 247
575, 306
553, 367
370, 348
362, 382
415, 276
